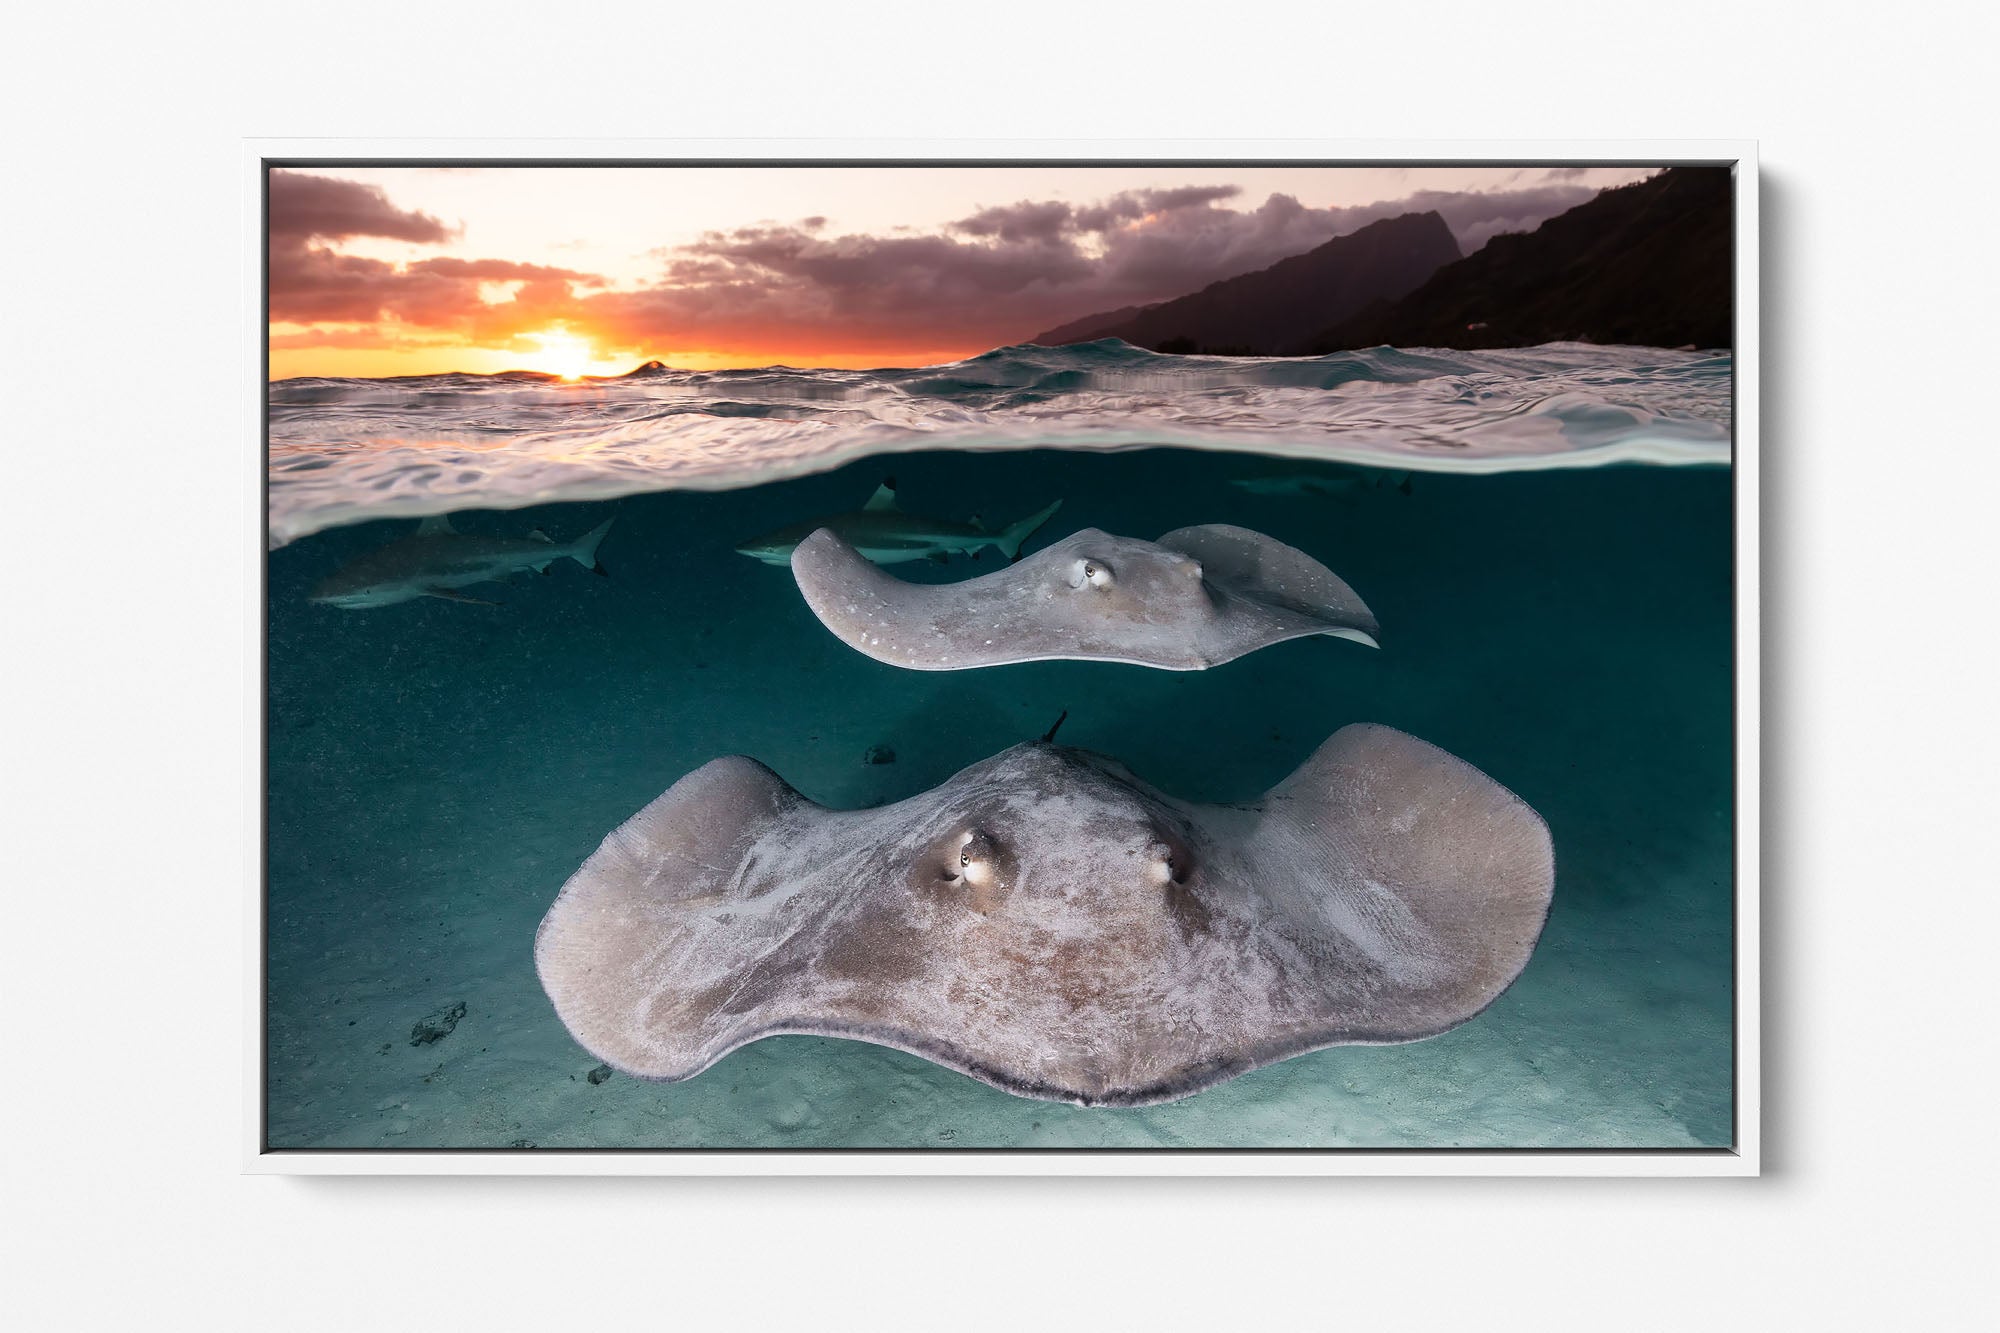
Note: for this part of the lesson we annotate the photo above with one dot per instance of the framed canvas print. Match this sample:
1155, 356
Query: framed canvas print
1005, 657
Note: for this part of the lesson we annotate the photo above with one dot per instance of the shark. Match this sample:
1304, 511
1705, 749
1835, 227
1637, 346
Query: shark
437, 559
883, 533
1337, 480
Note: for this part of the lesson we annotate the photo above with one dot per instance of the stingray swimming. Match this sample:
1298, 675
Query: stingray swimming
1048, 923
1196, 598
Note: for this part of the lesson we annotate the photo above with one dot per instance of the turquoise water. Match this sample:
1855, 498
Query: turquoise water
436, 770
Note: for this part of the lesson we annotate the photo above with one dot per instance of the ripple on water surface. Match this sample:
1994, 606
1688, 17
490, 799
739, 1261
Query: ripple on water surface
347, 450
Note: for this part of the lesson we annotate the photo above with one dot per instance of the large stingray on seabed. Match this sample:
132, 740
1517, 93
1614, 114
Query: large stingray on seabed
1196, 598
1048, 923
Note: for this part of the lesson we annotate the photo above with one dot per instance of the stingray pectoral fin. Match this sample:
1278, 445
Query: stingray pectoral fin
1264, 569
872, 611
664, 912
1430, 878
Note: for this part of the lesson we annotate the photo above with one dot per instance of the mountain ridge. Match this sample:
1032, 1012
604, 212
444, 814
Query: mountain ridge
1647, 264
1268, 311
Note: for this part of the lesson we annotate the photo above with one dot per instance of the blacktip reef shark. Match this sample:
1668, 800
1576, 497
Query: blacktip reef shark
883, 533
437, 559
1338, 480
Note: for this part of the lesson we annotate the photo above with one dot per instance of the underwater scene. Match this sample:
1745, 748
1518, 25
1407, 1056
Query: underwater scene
506, 613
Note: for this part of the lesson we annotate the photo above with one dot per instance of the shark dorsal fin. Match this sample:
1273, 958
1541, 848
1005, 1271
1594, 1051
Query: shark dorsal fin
884, 497
537, 535
437, 525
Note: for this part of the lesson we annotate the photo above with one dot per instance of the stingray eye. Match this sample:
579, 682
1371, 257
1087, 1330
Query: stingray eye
1171, 863
967, 867
1090, 574
977, 858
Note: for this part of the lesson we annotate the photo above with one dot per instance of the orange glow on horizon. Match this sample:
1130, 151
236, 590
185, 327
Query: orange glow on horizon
294, 356
587, 272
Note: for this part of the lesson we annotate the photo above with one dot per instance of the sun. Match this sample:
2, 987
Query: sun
564, 353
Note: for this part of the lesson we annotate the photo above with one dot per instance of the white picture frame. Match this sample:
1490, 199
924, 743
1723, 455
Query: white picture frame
1742, 1158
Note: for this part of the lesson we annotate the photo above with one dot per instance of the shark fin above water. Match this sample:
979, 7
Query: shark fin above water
437, 525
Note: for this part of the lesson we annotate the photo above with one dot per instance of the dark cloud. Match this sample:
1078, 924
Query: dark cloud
1014, 223
305, 208
998, 275
1050, 221
311, 283
1131, 205
1003, 272
777, 286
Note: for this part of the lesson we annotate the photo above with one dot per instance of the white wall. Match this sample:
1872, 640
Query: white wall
122, 856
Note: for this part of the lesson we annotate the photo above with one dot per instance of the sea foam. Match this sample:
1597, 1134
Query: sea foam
348, 450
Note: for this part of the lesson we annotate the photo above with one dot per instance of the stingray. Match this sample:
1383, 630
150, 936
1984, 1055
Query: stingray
1048, 923
1196, 598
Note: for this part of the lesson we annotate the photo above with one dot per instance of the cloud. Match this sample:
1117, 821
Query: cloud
307, 208
312, 283
1022, 222
770, 289
1003, 272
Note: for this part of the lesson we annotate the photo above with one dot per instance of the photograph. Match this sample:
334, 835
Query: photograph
970, 658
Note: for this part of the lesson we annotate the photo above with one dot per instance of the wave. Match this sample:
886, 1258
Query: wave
349, 450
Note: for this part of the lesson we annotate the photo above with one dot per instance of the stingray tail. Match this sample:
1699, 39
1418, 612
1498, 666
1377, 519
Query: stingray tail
584, 552
1009, 541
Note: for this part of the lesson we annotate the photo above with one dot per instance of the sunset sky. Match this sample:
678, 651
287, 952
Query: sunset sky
573, 270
